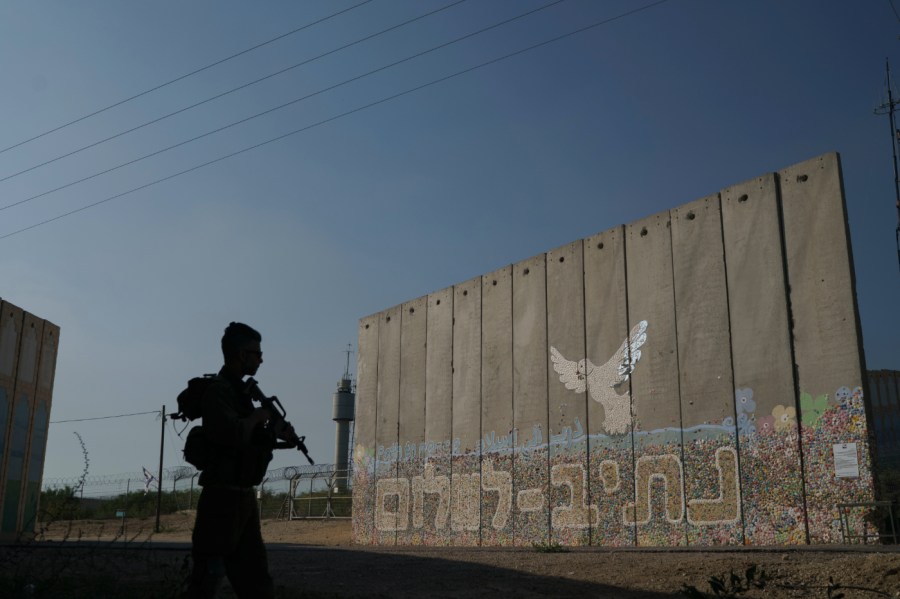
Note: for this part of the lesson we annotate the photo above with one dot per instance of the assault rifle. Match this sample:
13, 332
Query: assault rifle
278, 421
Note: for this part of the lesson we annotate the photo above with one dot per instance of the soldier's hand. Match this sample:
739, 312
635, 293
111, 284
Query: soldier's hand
259, 416
285, 432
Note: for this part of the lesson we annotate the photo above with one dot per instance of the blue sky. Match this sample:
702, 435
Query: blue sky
303, 236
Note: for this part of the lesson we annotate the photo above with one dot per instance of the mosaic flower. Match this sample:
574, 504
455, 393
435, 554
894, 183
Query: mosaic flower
785, 417
857, 393
843, 395
746, 424
729, 421
743, 398
812, 409
765, 425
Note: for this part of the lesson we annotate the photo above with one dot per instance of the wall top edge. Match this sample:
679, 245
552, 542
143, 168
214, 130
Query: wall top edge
823, 162
7, 305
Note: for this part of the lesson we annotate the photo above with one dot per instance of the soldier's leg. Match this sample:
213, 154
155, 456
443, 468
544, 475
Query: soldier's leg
248, 566
215, 536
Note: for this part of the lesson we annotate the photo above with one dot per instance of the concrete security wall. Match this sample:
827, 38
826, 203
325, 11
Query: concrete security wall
692, 378
28, 347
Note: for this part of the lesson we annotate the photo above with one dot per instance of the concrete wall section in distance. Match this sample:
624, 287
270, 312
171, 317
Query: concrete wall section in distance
831, 408
13, 483
884, 393
40, 420
28, 351
11, 318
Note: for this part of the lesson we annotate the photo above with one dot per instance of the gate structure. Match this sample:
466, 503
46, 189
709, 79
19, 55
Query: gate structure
317, 492
692, 378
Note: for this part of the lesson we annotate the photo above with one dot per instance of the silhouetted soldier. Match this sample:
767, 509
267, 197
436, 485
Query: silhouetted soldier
227, 540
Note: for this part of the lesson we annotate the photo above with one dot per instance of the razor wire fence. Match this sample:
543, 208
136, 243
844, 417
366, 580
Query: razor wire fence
290, 493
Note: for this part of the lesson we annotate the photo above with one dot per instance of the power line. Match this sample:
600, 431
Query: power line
104, 417
286, 104
230, 91
185, 76
344, 114
893, 8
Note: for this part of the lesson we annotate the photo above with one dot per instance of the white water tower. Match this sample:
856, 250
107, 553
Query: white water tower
343, 402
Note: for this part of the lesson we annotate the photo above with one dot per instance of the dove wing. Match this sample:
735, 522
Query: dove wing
628, 354
568, 371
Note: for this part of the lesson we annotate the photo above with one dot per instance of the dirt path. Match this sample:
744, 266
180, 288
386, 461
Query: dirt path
317, 559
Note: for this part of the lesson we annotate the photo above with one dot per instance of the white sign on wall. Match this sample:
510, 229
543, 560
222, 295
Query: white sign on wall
846, 464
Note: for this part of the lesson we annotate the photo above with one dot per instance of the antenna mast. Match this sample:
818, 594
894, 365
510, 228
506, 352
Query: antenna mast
349, 351
888, 109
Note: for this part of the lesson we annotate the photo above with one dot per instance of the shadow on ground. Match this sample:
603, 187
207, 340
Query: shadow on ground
137, 570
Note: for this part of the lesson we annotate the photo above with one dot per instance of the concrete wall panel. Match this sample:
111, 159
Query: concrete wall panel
532, 477
11, 318
432, 492
712, 480
40, 420
659, 481
390, 499
465, 483
364, 431
827, 344
13, 484
412, 413
10, 334
771, 479
496, 408
611, 457
571, 514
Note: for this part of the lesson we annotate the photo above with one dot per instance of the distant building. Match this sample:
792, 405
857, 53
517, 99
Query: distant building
28, 346
884, 393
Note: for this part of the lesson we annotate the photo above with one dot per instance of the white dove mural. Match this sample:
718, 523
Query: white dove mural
605, 380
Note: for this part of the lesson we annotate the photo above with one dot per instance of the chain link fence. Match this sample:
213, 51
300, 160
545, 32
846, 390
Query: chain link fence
289, 493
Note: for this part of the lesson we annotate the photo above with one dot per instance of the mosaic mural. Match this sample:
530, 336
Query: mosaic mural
733, 416
658, 478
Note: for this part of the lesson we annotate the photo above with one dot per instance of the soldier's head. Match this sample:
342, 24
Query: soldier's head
241, 349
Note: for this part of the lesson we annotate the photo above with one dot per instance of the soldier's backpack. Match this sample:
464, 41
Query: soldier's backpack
197, 450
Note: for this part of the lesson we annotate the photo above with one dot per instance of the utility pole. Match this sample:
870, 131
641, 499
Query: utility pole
162, 443
888, 109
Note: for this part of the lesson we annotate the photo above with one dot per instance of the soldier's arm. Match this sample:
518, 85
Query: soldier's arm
223, 425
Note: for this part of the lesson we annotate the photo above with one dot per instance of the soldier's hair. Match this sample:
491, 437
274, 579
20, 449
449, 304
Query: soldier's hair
237, 337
